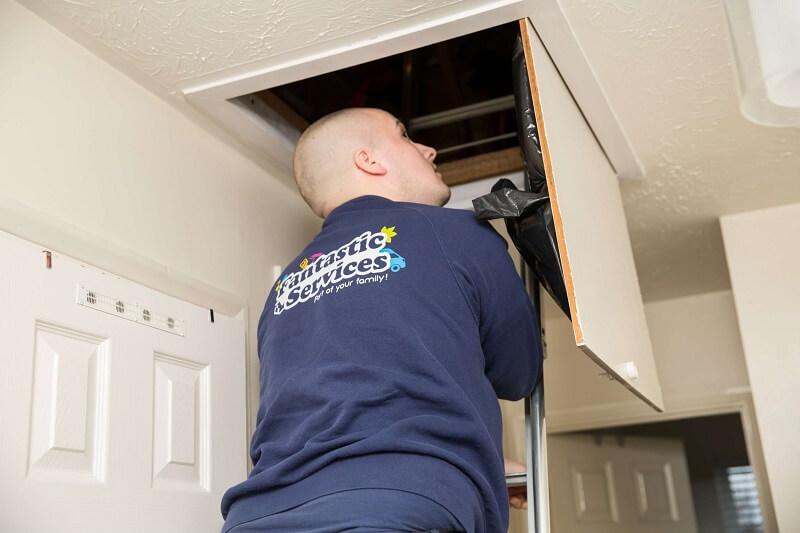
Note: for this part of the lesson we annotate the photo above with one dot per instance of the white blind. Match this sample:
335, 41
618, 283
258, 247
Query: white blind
738, 497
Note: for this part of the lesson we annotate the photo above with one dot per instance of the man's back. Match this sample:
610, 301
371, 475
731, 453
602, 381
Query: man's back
383, 350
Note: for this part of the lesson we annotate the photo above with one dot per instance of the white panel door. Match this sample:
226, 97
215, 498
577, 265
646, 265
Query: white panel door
121, 408
611, 485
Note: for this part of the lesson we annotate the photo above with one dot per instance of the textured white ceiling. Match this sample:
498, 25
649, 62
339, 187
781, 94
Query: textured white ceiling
173, 41
668, 72
666, 68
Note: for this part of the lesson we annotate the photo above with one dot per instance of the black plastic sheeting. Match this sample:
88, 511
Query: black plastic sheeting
527, 130
528, 215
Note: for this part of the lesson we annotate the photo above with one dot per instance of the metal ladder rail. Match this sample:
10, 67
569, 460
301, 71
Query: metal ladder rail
536, 434
538, 493
536, 451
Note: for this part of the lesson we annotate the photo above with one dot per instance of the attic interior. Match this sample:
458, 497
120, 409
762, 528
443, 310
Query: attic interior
455, 96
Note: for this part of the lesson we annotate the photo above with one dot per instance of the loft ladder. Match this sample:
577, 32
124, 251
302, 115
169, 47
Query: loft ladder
535, 477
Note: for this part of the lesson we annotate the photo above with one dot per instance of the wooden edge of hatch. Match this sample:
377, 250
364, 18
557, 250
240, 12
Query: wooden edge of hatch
551, 187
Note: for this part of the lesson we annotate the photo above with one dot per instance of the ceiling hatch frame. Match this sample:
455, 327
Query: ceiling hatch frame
274, 143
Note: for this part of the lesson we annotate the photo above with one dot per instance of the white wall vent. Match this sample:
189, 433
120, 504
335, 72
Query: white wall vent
129, 310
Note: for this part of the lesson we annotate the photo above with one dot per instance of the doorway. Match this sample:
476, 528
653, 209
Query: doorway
598, 468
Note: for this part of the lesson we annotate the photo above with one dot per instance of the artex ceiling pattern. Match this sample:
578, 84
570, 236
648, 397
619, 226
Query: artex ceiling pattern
177, 40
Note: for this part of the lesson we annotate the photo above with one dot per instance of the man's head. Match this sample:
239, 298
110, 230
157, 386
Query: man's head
359, 151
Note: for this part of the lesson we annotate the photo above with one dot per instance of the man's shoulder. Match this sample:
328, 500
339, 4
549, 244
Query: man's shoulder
446, 218
459, 226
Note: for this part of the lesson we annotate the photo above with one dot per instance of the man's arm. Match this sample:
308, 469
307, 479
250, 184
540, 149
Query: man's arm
508, 325
506, 318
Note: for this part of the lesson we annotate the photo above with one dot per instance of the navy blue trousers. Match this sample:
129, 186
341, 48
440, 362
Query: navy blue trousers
358, 511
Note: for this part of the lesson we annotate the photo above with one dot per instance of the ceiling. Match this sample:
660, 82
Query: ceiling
668, 72
666, 69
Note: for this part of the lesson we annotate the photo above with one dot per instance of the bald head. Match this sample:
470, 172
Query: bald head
323, 156
364, 151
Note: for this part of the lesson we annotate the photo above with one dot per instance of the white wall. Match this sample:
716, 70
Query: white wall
764, 263
95, 166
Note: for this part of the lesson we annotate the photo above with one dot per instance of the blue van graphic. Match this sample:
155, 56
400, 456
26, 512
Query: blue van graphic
397, 261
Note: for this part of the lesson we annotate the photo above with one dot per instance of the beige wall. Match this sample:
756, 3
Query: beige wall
95, 166
764, 263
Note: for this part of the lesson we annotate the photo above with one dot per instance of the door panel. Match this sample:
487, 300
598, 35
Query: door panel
619, 485
123, 408
593, 492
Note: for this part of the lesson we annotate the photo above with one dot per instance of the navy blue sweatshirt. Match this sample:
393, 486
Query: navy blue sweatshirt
383, 349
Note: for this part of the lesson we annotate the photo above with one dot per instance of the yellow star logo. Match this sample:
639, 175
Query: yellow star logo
304, 263
389, 232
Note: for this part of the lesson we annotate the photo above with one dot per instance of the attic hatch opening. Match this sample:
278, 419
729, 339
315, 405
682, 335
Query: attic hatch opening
454, 95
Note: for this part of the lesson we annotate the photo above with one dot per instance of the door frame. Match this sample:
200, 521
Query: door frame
738, 401
63, 237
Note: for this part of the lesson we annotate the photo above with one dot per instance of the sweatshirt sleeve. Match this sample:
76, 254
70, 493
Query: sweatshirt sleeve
505, 315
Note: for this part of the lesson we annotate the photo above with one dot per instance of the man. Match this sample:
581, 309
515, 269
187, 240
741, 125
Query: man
384, 347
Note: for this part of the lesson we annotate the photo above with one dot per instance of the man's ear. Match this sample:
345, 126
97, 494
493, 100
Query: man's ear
365, 161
